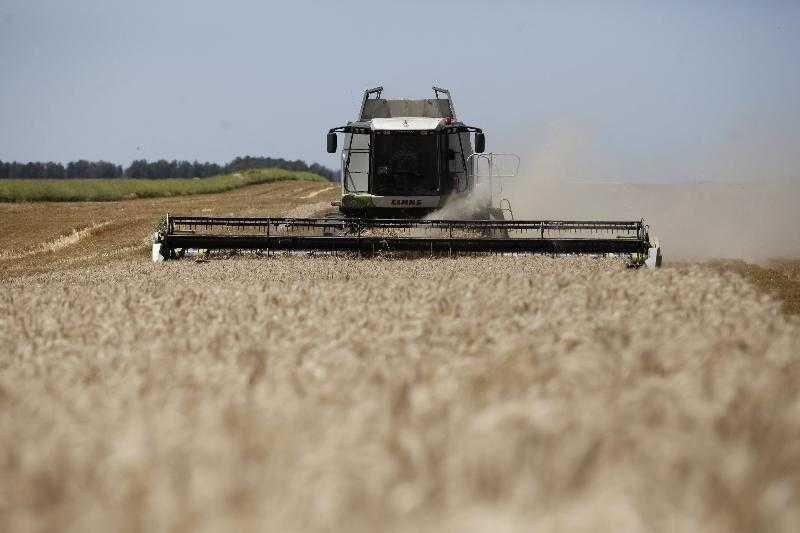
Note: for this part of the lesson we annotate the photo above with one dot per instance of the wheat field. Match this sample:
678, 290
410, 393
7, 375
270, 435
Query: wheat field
343, 394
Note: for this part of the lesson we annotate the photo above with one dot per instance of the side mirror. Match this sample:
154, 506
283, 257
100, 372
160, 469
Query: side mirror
331, 143
480, 143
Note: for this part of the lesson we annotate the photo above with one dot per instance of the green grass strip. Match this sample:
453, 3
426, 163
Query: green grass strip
76, 190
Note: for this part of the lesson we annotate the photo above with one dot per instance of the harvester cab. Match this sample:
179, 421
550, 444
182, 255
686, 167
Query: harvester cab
408, 158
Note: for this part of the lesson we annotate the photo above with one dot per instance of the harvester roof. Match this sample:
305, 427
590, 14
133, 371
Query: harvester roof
375, 108
405, 114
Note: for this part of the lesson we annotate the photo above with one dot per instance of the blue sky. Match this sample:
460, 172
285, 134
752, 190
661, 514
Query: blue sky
634, 91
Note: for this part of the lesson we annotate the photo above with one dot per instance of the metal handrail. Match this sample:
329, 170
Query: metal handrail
490, 157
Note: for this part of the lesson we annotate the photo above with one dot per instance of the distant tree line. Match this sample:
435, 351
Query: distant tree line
74, 169
161, 169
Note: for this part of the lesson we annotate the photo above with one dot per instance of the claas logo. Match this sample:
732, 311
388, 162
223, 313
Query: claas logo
407, 202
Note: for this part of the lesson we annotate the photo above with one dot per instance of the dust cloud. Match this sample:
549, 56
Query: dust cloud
693, 221
458, 208
754, 220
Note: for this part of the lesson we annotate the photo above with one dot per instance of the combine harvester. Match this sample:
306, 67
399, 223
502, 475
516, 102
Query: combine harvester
412, 182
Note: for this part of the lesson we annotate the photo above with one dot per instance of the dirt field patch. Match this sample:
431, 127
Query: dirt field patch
329, 394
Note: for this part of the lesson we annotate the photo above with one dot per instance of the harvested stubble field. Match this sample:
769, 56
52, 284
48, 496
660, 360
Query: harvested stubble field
336, 394
43, 236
